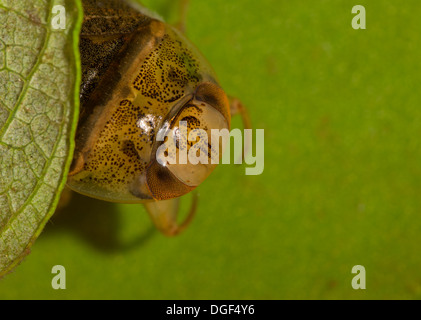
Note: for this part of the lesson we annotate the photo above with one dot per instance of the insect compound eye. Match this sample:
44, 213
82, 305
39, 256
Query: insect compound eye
187, 148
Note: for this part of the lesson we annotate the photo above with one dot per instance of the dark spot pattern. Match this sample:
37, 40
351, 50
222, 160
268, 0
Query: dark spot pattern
167, 71
118, 153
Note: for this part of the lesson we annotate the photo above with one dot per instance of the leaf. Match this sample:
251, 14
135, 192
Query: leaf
39, 79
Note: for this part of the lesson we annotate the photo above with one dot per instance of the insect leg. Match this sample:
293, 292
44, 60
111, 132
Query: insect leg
184, 6
164, 215
65, 198
237, 107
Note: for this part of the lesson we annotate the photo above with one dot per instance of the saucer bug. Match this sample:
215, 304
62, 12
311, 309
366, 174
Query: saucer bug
140, 75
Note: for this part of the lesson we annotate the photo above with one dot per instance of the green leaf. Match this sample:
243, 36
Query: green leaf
39, 79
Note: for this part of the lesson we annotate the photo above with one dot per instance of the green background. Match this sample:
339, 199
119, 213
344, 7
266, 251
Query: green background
341, 186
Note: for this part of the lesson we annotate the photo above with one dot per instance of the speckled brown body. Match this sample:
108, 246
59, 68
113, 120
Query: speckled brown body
138, 75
